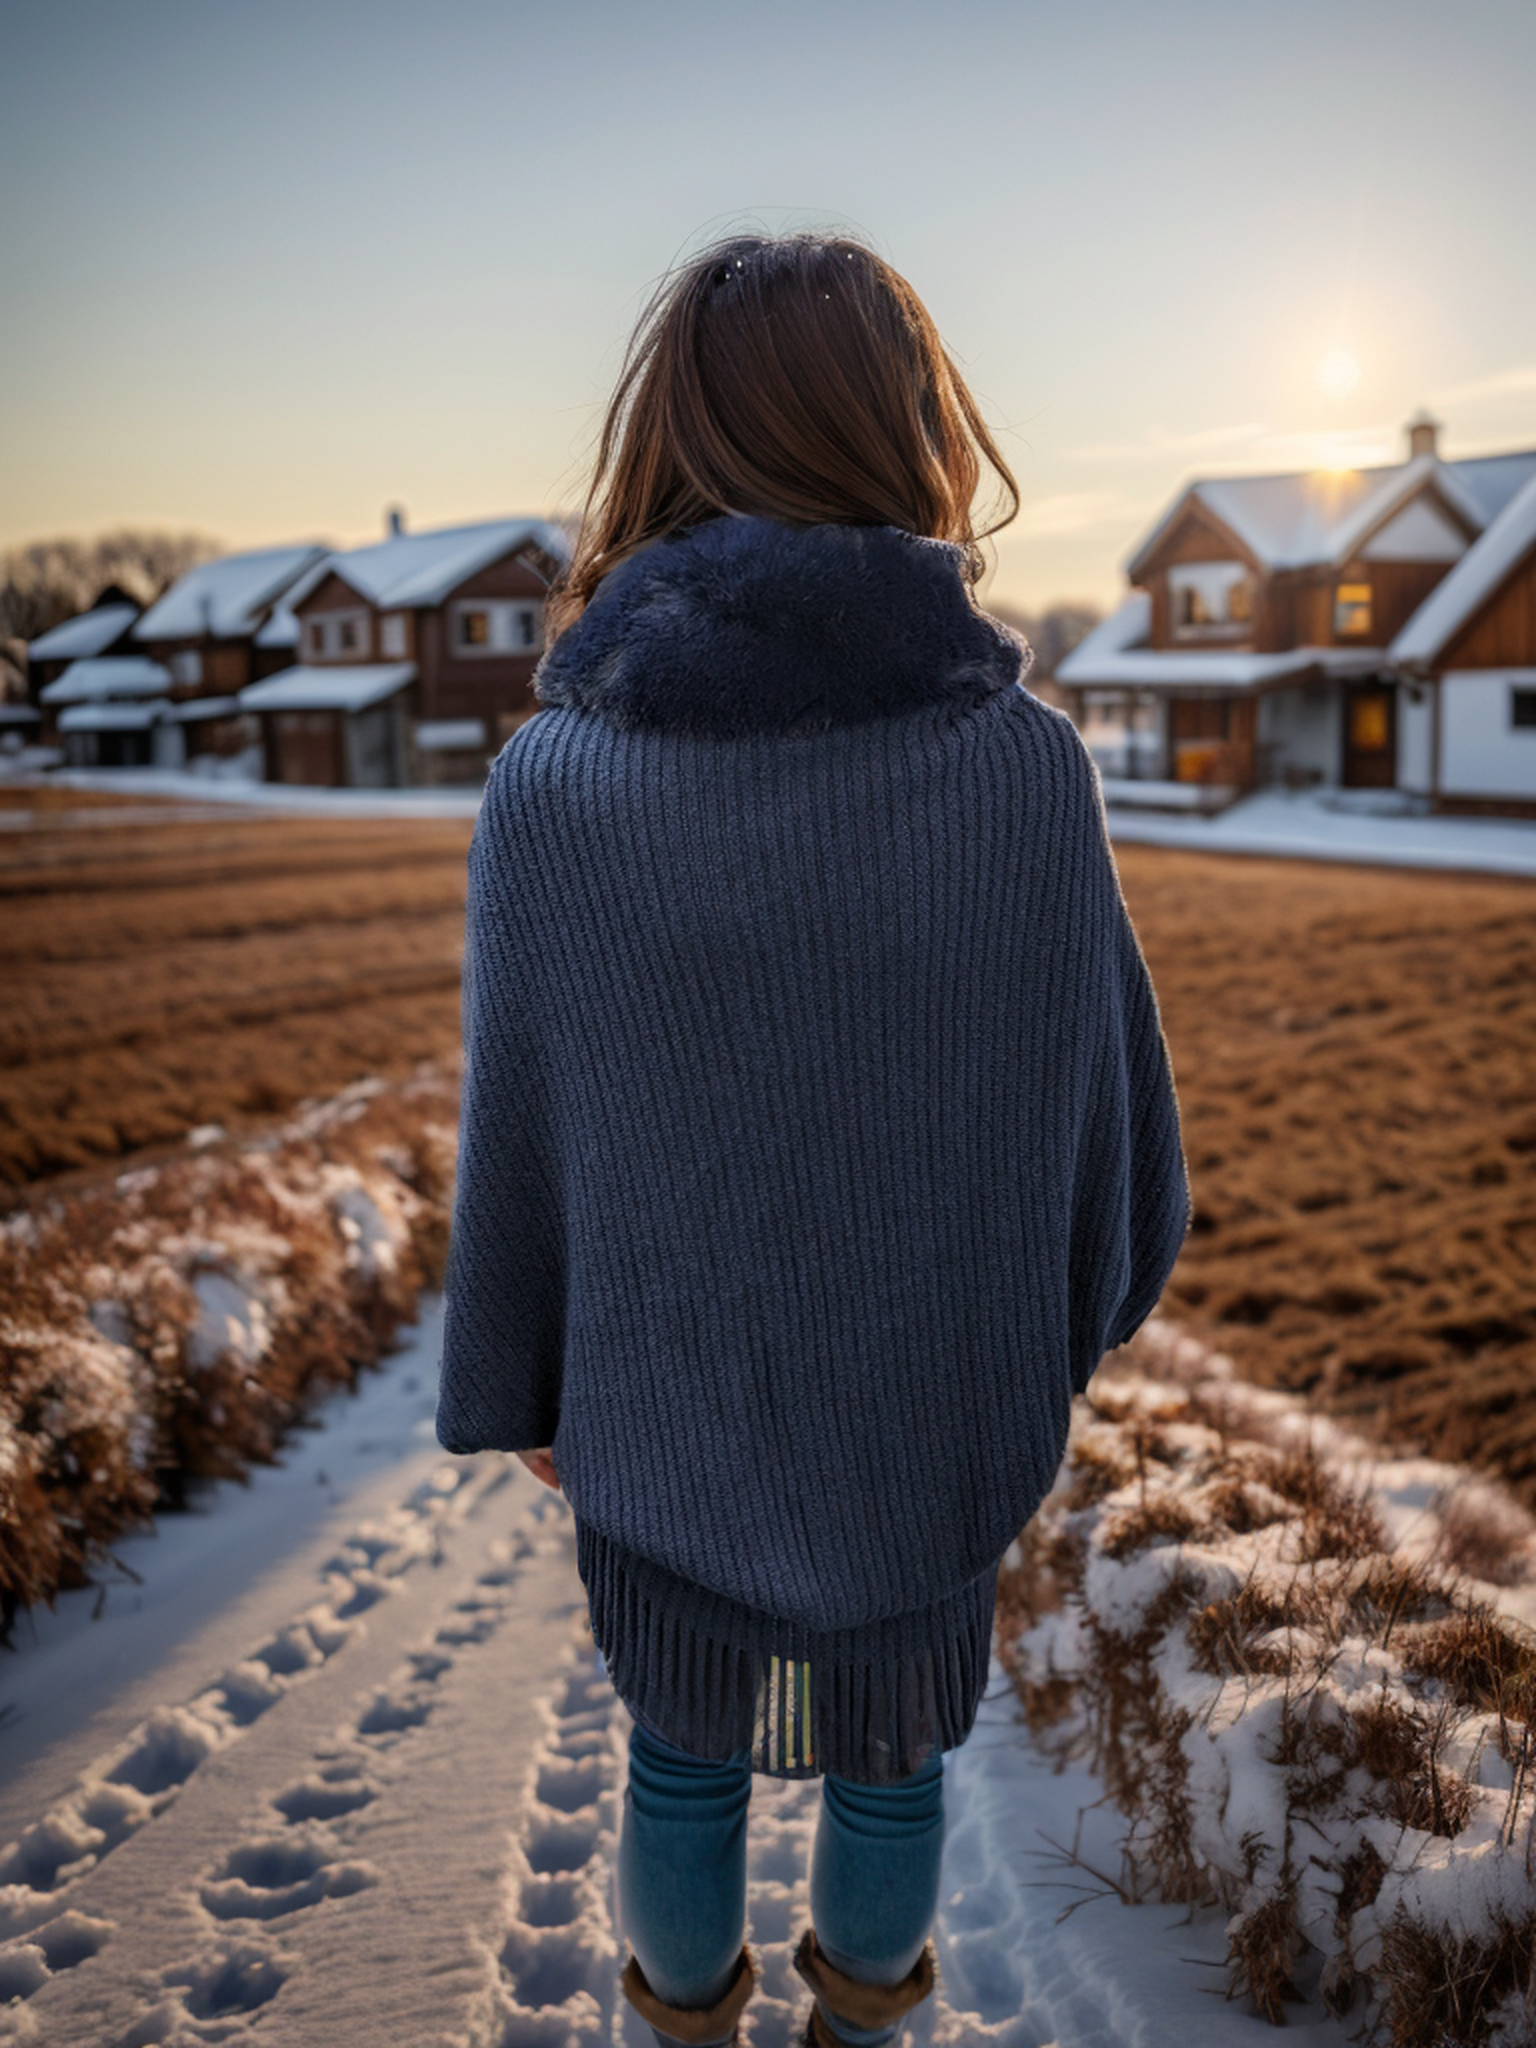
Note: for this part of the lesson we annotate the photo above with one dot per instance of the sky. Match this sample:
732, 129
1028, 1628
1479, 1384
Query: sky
274, 265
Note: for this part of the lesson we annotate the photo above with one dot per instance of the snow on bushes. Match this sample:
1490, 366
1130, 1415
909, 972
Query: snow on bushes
173, 1323
1304, 1673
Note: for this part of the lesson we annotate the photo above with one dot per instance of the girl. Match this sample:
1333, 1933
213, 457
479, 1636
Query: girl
818, 1132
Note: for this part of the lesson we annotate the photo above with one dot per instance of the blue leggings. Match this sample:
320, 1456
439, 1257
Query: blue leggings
682, 1871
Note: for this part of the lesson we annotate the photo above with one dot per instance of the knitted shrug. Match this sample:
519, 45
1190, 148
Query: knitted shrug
818, 1130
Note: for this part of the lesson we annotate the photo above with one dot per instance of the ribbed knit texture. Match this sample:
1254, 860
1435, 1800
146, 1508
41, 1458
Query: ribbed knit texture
818, 1131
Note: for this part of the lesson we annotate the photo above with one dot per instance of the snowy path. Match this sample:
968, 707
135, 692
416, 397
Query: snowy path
347, 1768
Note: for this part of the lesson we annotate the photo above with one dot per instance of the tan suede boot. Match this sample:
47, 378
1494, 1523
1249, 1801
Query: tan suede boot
695, 2024
859, 2005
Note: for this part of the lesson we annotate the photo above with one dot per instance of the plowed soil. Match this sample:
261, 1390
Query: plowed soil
1355, 1050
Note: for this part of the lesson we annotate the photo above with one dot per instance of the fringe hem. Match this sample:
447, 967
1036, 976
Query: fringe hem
870, 1704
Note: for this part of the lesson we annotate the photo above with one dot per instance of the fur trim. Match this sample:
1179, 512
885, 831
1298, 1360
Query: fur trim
746, 625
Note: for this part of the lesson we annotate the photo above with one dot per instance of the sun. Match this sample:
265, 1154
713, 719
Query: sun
1338, 373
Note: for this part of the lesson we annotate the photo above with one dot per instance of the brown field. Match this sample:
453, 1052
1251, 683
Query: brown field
1355, 1050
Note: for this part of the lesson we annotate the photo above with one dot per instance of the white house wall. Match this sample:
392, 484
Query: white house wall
1300, 728
1416, 737
1481, 752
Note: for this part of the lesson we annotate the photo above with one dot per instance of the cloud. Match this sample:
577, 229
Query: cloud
1158, 441
1079, 512
1502, 384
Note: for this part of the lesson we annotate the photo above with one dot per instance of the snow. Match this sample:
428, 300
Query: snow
1310, 825
1475, 578
1317, 516
108, 675
422, 568
89, 632
344, 687
112, 717
227, 597
198, 708
1113, 654
290, 798
343, 1746
444, 734
282, 627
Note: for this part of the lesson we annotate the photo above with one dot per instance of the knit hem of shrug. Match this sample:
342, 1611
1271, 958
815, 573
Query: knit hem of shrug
714, 1677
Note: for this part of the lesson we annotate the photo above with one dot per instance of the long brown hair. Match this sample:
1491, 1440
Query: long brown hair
796, 376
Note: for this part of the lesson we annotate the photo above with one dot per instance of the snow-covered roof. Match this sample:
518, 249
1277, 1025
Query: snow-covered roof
444, 735
112, 717
196, 709
1114, 655
226, 598
87, 633
282, 627
1317, 516
422, 568
346, 686
108, 675
1474, 579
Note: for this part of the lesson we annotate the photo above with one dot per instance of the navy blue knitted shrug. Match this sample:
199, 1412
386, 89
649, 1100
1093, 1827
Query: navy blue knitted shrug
818, 1131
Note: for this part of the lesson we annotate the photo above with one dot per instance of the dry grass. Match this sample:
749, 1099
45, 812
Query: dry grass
173, 1325
1325, 1733
1356, 1057
167, 975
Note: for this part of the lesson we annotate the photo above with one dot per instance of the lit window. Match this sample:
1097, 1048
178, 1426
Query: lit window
1209, 597
474, 628
1522, 707
1369, 724
1352, 608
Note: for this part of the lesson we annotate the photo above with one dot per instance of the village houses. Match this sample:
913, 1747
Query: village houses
124, 688
409, 660
1369, 629
415, 656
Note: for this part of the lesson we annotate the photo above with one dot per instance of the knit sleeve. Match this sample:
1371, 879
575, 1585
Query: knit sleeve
1132, 1201
502, 1331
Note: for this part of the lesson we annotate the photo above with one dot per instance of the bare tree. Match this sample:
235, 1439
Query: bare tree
47, 581
1052, 633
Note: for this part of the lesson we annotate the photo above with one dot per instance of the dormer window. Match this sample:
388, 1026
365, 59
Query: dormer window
1210, 599
1351, 610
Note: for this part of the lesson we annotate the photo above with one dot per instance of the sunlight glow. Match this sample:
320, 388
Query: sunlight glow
1338, 373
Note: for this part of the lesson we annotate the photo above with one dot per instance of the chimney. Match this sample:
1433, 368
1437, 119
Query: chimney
1423, 434
394, 521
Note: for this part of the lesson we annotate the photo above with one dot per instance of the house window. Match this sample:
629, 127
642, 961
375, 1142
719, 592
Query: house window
1209, 598
498, 626
392, 640
1522, 708
333, 636
1368, 721
187, 667
1352, 608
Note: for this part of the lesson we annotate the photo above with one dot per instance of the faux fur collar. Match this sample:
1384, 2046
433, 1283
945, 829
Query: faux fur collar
746, 625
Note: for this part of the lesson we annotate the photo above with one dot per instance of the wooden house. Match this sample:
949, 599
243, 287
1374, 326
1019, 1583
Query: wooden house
104, 629
205, 632
415, 656
1465, 665
1260, 643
